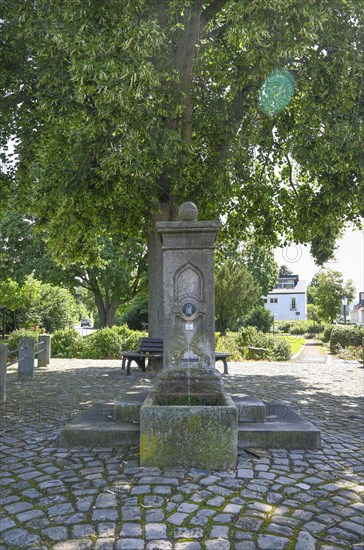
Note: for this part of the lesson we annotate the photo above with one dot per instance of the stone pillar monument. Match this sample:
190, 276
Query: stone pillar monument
189, 375
188, 420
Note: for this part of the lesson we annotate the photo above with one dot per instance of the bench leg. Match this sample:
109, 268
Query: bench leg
123, 363
225, 366
128, 366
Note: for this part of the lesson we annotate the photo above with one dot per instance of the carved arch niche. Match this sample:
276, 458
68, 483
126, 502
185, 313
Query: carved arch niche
188, 281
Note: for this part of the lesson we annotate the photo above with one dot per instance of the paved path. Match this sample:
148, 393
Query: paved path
79, 499
313, 352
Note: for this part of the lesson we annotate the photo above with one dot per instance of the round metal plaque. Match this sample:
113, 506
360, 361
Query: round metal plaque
189, 309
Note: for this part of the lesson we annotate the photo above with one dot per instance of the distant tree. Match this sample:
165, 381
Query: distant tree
311, 290
236, 291
312, 313
57, 308
260, 318
328, 293
284, 270
35, 304
113, 278
261, 264
258, 259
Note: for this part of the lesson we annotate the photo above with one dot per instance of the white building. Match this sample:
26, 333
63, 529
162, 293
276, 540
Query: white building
357, 313
288, 301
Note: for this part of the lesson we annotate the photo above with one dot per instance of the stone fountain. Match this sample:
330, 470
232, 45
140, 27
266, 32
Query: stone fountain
188, 419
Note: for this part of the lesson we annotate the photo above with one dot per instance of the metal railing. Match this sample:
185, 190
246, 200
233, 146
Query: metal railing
27, 351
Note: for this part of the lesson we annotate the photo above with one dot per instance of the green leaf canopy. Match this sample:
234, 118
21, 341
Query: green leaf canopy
121, 108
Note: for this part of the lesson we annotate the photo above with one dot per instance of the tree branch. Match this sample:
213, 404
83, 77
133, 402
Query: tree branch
290, 175
211, 11
10, 101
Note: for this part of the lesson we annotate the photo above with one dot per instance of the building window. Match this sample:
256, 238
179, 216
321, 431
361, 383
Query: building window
265, 300
273, 300
293, 304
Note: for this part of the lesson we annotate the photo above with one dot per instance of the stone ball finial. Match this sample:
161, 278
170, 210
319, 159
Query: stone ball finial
188, 212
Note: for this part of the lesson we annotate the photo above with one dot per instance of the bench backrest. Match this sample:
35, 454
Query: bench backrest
151, 345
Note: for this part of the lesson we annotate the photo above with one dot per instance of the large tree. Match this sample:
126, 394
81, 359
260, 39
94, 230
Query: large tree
327, 292
123, 110
113, 280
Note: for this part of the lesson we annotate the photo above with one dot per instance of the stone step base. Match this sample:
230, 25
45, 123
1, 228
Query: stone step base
283, 429
129, 409
250, 409
93, 433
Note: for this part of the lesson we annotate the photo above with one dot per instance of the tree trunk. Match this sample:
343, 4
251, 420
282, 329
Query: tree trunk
168, 212
106, 311
110, 314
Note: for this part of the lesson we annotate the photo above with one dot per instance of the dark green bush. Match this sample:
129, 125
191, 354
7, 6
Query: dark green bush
108, 343
136, 314
260, 318
67, 343
343, 336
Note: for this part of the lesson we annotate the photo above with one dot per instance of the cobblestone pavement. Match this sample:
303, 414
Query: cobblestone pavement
85, 498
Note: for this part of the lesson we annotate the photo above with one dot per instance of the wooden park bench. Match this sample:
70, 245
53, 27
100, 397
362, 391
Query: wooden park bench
152, 348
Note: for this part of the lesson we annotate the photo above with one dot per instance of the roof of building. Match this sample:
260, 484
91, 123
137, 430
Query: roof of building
300, 288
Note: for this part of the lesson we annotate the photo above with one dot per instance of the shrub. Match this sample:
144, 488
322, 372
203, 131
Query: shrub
14, 337
229, 344
343, 336
108, 343
67, 343
306, 327
327, 333
283, 326
276, 348
351, 353
259, 318
281, 350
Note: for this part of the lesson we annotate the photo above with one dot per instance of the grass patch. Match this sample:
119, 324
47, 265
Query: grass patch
295, 343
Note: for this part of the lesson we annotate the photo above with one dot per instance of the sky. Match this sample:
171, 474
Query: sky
349, 259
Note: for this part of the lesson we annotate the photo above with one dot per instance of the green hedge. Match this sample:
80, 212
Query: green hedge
344, 336
67, 343
106, 343
300, 327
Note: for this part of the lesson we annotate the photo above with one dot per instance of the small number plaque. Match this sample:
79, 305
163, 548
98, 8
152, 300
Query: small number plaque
189, 326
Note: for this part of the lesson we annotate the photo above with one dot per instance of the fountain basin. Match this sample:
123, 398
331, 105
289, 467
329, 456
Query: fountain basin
203, 436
